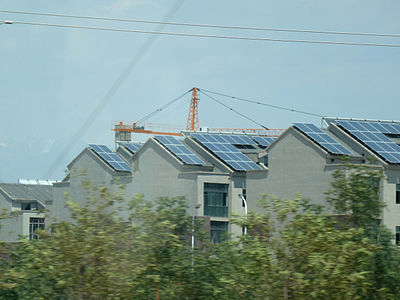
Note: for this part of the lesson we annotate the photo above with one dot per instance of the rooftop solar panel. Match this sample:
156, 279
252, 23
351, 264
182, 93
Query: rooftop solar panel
372, 135
112, 159
322, 138
263, 140
133, 148
223, 148
180, 150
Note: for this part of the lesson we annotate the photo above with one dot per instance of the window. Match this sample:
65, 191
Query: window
374, 183
397, 235
34, 224
264, 160
218, 231
215, 200
398, 193
29, 206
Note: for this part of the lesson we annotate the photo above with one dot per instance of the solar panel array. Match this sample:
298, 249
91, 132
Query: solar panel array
322, 138
263, 141
222, 146
133, 148
111, 158
180, 150
372, 134
235, 139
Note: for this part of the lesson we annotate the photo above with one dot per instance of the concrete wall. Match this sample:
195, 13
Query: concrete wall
86, 167
156, 173
17, 225
296, 166
391, 213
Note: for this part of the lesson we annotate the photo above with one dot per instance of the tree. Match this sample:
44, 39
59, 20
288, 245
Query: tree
100, 255
355, 194
294, 251
83, 259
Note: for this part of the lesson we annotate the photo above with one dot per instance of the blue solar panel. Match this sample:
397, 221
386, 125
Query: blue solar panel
263, 140
133, 148
322, 138
223, 148
180, 150
112, 159
372, 135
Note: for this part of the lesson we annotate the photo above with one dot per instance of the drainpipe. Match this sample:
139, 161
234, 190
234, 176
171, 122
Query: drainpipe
245, 211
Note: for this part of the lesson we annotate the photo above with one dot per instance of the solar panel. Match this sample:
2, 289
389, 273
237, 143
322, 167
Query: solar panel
180, 150
322, 138
223, 148
372, 135
133, 148
263, 140
234, 139
111, 158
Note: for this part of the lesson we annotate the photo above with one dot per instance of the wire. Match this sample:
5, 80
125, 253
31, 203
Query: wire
161, 108
110, 93
230, 108
265, 104
228, 37
206, 25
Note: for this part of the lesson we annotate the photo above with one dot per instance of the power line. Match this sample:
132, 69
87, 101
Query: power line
264, 104
110, 93
207, 25
235, 111
226, 37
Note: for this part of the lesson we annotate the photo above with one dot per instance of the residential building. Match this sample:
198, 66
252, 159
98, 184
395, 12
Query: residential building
209, 170
27, 203
303, 159
215, 172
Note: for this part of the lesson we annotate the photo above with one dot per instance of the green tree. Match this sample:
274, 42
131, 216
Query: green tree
355, 195
83, 259
294, 251
99, 255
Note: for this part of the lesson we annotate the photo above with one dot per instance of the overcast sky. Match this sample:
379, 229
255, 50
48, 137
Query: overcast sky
52, 79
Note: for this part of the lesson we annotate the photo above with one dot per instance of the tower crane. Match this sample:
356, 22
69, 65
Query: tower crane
123, 131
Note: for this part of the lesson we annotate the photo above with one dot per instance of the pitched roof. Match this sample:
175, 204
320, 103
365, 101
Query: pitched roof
27, 192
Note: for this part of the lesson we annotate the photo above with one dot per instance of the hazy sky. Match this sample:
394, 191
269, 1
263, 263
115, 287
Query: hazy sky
51, 79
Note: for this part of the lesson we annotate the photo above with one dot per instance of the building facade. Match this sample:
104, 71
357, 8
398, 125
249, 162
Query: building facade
303, 159
220, 174
27, 203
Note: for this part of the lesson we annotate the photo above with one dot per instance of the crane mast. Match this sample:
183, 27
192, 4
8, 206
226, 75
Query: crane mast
193, 116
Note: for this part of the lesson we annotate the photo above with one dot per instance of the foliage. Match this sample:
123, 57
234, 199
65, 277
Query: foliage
355, 194
99, 255
303, 256
140, 249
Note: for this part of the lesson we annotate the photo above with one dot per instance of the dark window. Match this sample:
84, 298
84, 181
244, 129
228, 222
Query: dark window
398, 193
215, 199
29, 206
374, 182
397, 235
218, 231
264, 160
34, 224
244, 146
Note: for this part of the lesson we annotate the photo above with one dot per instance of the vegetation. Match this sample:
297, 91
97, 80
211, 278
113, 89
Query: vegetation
142, 250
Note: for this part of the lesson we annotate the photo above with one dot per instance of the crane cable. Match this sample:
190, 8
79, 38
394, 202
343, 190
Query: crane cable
264, 104
234, 27
235, 111
161, 108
